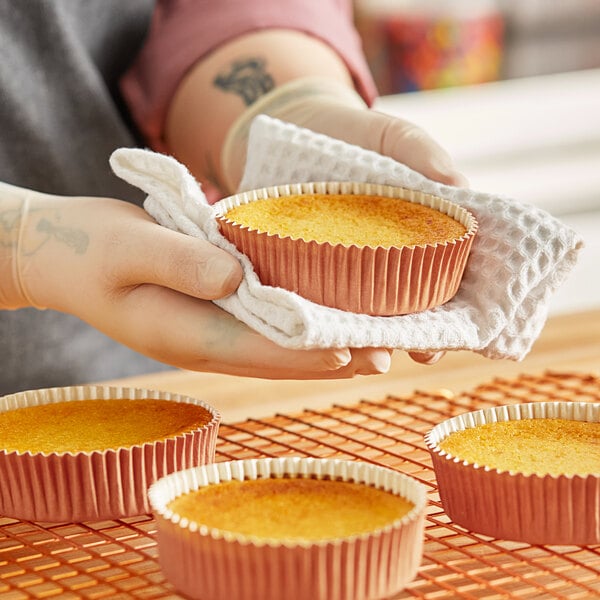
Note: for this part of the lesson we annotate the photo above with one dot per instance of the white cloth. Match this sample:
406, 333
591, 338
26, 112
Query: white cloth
520, 255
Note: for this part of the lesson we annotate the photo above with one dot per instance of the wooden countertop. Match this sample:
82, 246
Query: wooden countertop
569, 342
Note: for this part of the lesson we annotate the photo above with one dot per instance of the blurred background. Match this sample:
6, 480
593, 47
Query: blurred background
426, 44
512, 90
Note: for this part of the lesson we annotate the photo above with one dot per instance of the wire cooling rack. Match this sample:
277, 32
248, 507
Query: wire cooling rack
118, 559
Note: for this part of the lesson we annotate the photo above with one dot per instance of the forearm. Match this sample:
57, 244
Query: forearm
295, 78
222, 85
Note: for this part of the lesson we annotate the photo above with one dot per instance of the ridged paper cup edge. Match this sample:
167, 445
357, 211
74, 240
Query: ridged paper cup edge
392, 281
187, 550
538, 509
82, 486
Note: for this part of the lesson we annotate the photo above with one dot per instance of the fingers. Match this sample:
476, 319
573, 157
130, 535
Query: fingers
197, 335
391, 136
370, 363
180, 262
371, 360
195, 267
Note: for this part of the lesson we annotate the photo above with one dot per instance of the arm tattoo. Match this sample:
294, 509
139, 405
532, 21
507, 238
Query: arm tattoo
247, 78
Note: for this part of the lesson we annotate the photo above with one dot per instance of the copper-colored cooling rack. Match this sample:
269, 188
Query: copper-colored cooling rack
118, 559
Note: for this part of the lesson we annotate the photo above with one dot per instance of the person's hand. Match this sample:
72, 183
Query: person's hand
293, 77
107, 262
334, 109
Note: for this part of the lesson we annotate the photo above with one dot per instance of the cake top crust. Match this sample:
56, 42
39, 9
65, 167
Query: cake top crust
544, 446
296, 509
89, 425
348, 219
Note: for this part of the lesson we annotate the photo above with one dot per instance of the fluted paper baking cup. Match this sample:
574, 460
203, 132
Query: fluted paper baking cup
215, 565
538, 509
104, 484
369, 280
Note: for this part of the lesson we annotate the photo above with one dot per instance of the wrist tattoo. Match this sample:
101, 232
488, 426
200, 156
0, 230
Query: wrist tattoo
75, 238
9, 227
246, 78
10, 224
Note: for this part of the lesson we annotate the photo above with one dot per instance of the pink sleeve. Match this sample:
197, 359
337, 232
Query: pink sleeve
182, 31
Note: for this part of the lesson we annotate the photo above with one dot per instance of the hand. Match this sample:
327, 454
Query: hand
107, 262
334, 109
308, 84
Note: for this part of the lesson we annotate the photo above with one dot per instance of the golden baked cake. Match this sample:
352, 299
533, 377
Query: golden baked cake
360, 220
546, 446
523, 472
90, 452
291, 508
289, 527
87, 425
359, 247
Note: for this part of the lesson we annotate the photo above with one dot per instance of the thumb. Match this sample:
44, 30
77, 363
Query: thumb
407, 143
184, 263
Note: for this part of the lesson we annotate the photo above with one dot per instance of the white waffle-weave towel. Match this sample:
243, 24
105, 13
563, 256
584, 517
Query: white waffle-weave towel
520, 256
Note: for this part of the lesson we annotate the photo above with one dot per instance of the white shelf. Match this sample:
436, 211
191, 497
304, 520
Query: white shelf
536, 140
581, 291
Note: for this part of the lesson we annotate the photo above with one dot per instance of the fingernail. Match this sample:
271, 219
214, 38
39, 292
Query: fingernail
427, 358
222, 276
341, 357
458, 179
380, 362
445, 171
435, 358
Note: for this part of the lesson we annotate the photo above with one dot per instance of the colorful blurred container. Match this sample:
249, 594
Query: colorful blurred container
428, 44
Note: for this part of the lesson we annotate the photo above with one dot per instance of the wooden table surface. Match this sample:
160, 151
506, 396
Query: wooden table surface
569, 342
